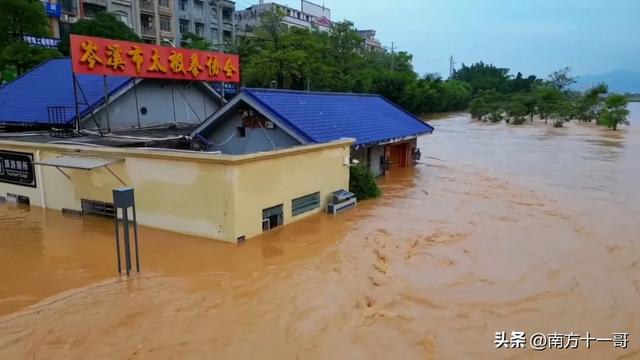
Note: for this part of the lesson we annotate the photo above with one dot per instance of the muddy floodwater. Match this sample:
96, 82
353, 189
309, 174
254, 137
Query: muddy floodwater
498, 228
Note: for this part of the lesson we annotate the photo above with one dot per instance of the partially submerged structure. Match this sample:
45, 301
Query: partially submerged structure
266, 119
200, 166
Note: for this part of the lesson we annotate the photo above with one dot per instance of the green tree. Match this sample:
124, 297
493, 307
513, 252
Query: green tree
590, 103
193, 41
548, 100
615, 112
483, 76
516, 109
362, 183
562, 79
104, 25
17, 19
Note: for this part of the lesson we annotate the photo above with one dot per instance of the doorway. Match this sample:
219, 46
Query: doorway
399, 155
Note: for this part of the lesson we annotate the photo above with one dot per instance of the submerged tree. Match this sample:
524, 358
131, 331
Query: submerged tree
590, 103
615, 112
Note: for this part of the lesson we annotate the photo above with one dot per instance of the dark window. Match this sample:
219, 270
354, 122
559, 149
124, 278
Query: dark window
305, 203
272, 217
143, 110
184, 26
199, 29
165, 23
241, 131
94, 207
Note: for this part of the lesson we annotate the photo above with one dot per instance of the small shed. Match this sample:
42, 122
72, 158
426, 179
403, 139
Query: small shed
267, 119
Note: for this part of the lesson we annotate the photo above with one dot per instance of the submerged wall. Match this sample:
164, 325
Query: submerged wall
214, 196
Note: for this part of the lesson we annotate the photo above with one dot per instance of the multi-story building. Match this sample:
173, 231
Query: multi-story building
210, 19
152, 20
310, 16
371, 43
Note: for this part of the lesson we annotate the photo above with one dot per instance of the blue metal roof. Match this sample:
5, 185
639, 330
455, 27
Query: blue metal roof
25, 100
324, 116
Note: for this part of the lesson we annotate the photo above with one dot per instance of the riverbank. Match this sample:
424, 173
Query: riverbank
497, 229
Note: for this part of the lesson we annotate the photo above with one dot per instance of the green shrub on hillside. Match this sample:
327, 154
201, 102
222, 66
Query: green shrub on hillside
362, 183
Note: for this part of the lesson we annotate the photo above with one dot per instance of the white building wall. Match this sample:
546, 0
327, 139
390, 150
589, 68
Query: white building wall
155, 105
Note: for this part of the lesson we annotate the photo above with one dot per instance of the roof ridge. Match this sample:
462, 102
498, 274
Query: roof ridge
303, 92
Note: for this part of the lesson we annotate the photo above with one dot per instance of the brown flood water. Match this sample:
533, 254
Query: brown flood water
497, 229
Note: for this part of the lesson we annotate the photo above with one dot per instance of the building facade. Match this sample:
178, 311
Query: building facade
152, 20
222, 197
369, 40
213, 20
268, 119
310, 16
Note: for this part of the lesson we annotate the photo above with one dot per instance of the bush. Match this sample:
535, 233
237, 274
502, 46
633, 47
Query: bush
362, 183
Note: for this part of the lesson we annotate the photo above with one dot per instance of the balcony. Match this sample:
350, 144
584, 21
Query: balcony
146, 5
96, 2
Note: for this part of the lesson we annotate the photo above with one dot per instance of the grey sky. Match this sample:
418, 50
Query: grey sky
531, 36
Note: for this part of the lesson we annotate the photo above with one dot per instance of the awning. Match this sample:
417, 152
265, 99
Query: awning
80, 163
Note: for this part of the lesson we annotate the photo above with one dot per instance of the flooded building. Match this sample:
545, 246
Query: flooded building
264, 159
266, 119
136, 134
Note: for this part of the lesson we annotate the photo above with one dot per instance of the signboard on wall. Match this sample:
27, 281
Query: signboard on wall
99, 56
17, 168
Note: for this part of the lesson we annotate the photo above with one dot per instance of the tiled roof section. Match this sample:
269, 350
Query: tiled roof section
323, 21
322, 117
25, 100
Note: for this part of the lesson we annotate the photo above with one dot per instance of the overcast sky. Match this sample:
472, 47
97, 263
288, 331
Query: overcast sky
532, 36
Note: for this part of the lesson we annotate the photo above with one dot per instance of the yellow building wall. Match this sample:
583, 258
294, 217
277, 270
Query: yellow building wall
263, 184
215, 196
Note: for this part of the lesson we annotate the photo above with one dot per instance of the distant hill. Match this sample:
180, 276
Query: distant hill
621, 81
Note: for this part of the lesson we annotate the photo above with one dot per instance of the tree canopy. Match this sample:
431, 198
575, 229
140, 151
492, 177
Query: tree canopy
103, 25
17, 19
303, 59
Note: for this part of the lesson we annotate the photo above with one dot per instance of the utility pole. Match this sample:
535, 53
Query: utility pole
451, 66
392, 54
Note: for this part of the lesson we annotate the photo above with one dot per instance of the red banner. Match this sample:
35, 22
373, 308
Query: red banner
98, 56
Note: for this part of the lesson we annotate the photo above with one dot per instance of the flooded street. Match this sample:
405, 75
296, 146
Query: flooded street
498, 228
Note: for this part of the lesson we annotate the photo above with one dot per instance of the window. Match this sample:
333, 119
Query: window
305, 204
184, 26
272, 217
123, 17
164, 3
165, 23
199, 29
94, 207
183, 5
198, 6
241, 131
